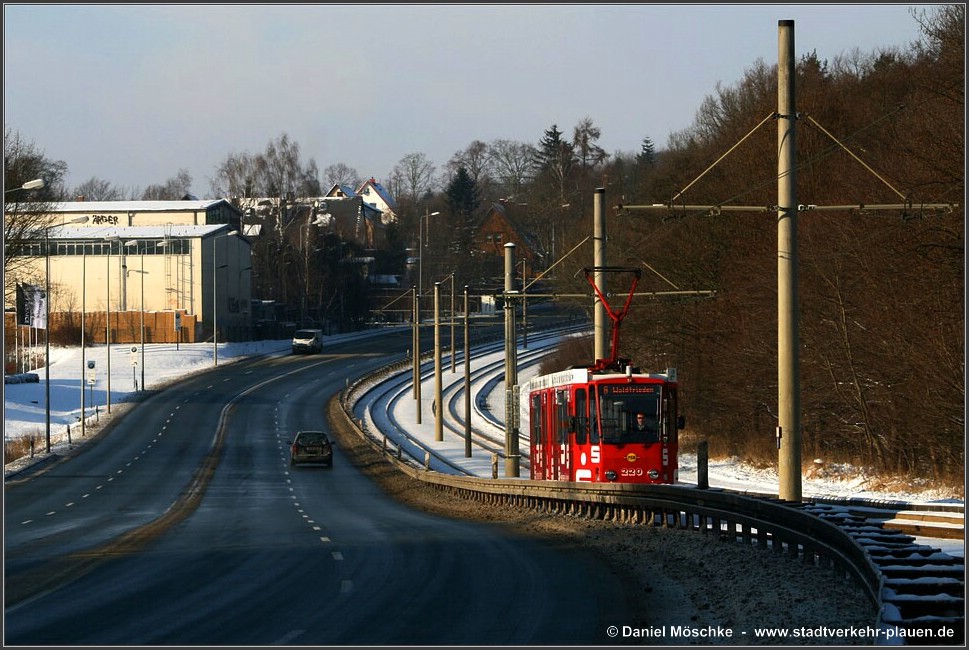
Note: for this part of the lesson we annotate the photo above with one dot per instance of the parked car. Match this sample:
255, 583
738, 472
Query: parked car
310, 447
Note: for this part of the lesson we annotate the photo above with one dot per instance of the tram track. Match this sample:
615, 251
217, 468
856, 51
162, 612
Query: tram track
919, 588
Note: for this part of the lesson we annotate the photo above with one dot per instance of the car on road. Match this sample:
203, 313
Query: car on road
308, 342
310, 447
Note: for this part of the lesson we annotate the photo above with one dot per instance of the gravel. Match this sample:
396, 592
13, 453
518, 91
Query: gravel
676, 579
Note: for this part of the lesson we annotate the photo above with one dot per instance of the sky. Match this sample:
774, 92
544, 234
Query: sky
132, 94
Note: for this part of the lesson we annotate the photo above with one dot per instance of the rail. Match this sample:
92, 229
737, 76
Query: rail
798, 530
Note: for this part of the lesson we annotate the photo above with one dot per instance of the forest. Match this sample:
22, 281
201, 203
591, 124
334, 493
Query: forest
881, 289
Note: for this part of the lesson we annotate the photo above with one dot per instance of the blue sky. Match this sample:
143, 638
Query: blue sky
133, 93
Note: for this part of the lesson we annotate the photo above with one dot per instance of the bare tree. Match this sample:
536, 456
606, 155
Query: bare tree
97, 189
513, 164
416, 173
476, 161
237, 177
27, 212
341, 174
174, 189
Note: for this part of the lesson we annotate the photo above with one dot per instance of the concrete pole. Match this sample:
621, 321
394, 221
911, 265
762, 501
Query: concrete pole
438, 424
788, 387
511, 368
601, 318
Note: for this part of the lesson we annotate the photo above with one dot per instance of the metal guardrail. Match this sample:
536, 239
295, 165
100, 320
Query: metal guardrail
783, 527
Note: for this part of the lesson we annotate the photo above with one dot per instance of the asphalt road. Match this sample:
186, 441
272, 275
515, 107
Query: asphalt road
256, 553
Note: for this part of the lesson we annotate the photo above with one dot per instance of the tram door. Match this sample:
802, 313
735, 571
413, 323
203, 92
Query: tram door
583, 470
536, 429
562, 460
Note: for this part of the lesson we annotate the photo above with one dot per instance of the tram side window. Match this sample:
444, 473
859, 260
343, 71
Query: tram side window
581, 422
562, 413
593, 417
535, 418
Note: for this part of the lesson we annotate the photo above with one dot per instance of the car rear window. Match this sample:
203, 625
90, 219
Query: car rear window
311, 438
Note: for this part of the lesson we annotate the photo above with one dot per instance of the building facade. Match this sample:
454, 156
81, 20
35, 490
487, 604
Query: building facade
182, 257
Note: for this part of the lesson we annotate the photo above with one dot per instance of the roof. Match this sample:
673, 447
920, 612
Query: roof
135, 232
137, 206
380, 190
340, 188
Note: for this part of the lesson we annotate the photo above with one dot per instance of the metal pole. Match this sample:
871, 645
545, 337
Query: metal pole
511, 368
417, 353
452, 322
413, 340
438, 424
601, 320
215, 309
108, 334
47, 337
83, 312
788, 389
524, 310
142, 321
467, 378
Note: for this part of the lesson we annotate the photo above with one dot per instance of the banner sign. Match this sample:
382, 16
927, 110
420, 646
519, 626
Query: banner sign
31, 306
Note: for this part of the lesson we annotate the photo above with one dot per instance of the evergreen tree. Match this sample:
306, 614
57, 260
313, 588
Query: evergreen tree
463, 200
556, 161
646, 156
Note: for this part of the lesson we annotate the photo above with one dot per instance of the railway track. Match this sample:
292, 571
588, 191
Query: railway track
921, 588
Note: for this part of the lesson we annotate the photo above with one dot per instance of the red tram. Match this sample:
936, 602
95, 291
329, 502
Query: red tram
607, 423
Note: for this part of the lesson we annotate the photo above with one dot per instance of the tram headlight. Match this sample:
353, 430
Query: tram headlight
654, 474
610, 474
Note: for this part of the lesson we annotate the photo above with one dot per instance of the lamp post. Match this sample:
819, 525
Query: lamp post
35, 184
47, 312
420, 258
524, 310
83, 326
107, 335
451, 278
215, 303
142, 273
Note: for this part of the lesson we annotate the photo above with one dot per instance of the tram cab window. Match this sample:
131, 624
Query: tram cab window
593, 417
631, 418
610, 419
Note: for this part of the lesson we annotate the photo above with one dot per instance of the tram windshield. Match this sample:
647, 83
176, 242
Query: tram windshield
630, 413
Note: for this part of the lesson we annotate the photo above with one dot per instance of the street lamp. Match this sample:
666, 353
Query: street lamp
420, 258
215, 303
107, 331
451, 277
142, 272
33, 185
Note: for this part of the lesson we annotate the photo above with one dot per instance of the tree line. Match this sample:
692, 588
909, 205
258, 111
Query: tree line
881, 292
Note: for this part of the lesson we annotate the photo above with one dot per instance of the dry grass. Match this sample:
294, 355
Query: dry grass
21, 446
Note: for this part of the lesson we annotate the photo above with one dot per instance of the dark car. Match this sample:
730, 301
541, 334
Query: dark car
310, 447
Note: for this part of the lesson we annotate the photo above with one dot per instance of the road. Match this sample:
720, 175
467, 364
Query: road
266, 554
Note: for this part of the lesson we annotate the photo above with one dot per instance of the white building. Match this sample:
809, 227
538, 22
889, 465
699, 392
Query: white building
178, 256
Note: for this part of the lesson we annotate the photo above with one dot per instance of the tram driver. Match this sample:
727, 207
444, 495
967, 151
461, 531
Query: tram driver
643, 429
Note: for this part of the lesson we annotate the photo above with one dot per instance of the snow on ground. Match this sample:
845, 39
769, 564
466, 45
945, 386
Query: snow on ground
25, 412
